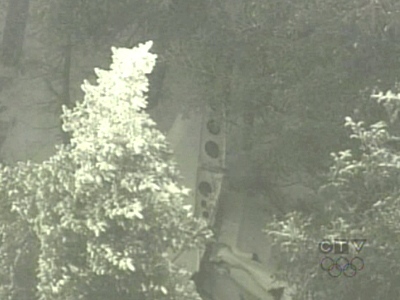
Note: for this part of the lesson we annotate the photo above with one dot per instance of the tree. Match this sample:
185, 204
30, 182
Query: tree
297, 69
14, 31
283, 69
360, 200
101, 217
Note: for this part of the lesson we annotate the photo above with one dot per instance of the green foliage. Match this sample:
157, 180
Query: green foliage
102, 217
97, 20
302, 62
361, 199
299, 64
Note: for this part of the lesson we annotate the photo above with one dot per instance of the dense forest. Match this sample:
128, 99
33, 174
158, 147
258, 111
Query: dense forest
310, 97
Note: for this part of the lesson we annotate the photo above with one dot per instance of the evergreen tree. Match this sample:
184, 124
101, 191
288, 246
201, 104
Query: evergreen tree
102, 217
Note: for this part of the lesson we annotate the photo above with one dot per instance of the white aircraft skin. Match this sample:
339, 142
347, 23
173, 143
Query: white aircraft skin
258, 282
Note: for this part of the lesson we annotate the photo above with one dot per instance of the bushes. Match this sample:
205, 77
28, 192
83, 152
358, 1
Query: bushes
101, 217
361, 199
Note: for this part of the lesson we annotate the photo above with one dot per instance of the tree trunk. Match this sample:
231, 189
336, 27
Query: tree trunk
157, 77
248, 128
14, 31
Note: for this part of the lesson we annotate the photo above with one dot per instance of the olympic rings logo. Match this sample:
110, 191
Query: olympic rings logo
341, 265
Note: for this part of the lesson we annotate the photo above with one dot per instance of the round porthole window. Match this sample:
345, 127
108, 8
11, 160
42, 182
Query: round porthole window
205, 214
205, 188
212, 149
213, 127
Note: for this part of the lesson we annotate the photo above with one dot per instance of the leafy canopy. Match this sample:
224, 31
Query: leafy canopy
360, 200
102, 216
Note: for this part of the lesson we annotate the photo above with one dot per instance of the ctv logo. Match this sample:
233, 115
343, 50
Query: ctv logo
341, 246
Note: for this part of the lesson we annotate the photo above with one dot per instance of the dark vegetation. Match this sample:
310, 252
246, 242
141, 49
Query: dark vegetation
288, 73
